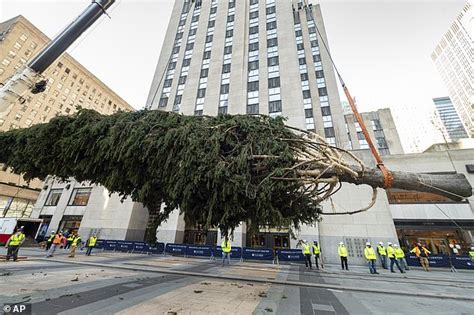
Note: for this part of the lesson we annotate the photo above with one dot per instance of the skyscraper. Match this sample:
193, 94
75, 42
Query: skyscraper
453, 57
249, 57
450, 118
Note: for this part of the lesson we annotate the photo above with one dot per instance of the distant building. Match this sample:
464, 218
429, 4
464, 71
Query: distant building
450, 119
453, 57
69, 85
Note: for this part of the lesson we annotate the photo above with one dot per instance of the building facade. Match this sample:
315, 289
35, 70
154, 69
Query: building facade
69, 85
453, 57
450, 119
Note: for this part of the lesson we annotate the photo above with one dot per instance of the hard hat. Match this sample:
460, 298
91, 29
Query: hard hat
341, 243
368, 243
381, 243
472, 247
395, 245
52, 231
20, 229
304, 241
388, 243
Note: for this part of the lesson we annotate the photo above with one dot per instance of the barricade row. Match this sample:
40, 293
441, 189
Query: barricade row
265, 254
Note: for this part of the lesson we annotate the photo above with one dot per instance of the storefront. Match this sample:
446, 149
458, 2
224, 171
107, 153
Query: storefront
70, 223
269, 238
197, 235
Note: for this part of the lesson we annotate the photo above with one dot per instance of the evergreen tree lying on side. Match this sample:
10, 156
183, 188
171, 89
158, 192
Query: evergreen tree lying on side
219, 171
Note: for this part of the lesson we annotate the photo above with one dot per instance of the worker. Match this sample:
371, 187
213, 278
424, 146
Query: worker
91, 244
13, 244
400, 256
342, 250
56, 242
471, 253
76, 240
226, 247
69, 240
316, 253
393, 259
306, 249
369, 253
382, 255
422, 253
50, 240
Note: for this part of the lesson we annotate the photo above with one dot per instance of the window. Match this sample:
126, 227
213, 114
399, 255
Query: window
308, 113
182, 79
231, 4
272, 42
312, 29
225, 89
227, 50
300, 46
23, 37
189, 46
53, 197
304, 76
252, 86
186, 62
274, 82
253, 65
271, 10
306, 94
80, 197
314, 43
201, 93
182, 22
320, 74
302, 61
179, 35
229, 33
253, 15
204, 73
298, 33
230, 18
177, 99
317, 58
252, 109
382, 143
326, 111
163, 102
274, 107
322, 91
209, 38
167, 83
192, 31
253, 29
272, 61
195, 18
271, 25
226, 68
252, 2
213, 10
206, 55
172, 66
329, 132
253, 46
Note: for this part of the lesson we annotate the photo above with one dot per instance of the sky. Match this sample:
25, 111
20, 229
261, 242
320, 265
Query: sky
382, 48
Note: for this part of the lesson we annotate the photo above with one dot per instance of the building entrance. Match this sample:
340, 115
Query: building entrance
197, 235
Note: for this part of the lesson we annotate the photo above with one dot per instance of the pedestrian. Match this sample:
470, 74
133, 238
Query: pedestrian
317, 252
471, 253
91, 244
306, 249
13, 244
56, 242
76, 240
50, 240
226, 247
382, 255
69, 240
393, 259
342, 250
422, 253
400, 256
369, 253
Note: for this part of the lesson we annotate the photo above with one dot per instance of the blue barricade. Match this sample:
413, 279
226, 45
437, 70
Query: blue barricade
434, 260
199, 250
257, 253
110, 245
157, 248
462, 262
176, 249
235, 252
290, 255
100, 244
124, 246
140, 247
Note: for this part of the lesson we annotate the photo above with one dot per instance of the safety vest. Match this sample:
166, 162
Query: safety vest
16, 240
399, 253
316, 249
381, 250
306, 249
57, 239
51, 237
226, 247
471, 254
92, 241
70, 238
369, 253
390, 252
342, 250
76, 240
417, 251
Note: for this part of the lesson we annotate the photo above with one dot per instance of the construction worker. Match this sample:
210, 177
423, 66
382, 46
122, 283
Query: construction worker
317, 252
56, 242
393, 259
76, 240
369, 254
226, 247
400, 256
91, 244
422, 253
306, 249
50, 240
13, 244
342, 250
69, 240
471, 253
382, 254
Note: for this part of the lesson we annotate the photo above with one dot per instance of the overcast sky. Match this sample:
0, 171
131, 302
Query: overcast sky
382, 48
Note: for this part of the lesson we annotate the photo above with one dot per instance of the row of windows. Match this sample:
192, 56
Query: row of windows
79, 197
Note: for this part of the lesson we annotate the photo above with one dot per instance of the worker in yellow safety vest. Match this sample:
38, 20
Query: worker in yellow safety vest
471, 253
91, 244
306, 249
76, 241
13, 244
382, 254
69, 240
226, 249
50, 239
393, 259
342, 251
369, 253
317, 253
400, 256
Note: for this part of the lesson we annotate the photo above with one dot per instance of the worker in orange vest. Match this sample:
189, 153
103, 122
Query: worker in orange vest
56, 242
422, 253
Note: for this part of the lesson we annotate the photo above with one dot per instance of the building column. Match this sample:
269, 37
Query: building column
172, 230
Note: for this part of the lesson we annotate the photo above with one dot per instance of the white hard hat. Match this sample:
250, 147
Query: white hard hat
388, 243
381, 243
52, 231
472, 247
304, 241
395, 245
368, 243
341, 243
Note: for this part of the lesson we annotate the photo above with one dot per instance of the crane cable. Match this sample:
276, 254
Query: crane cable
387, 175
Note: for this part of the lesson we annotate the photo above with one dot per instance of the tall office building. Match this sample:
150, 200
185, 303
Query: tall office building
249, 57
69, 85
453, 57
450, 119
